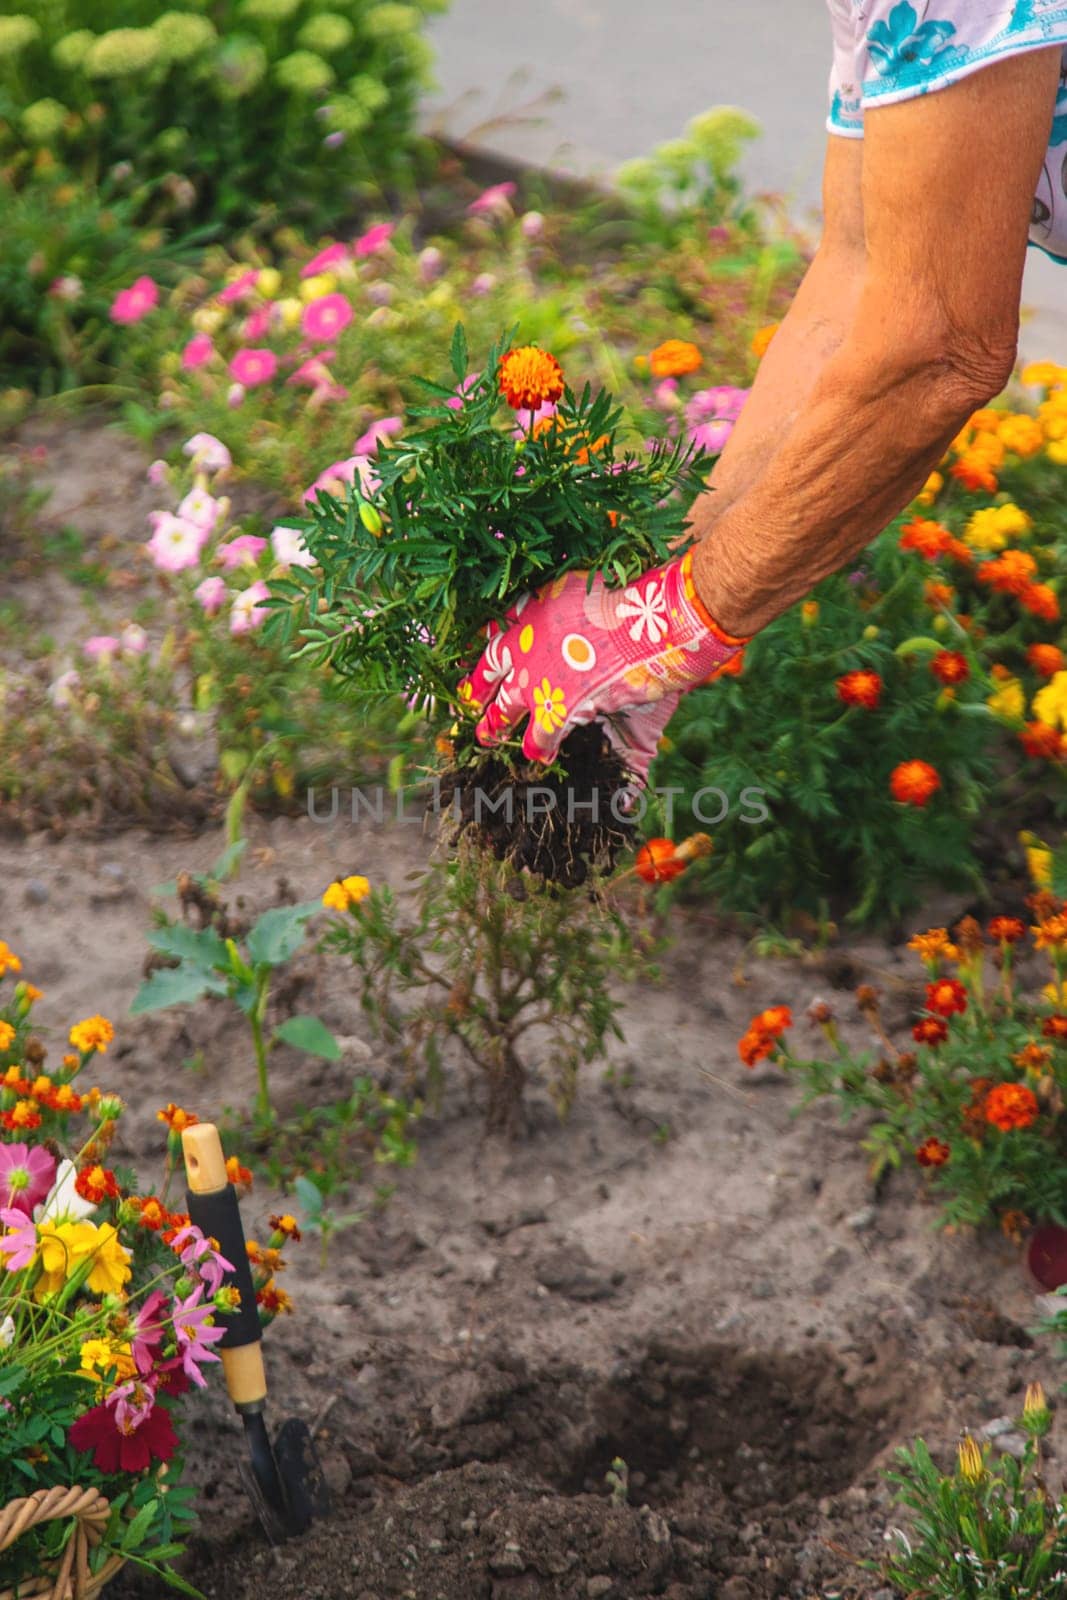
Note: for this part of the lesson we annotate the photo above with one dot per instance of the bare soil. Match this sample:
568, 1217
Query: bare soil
685, 1274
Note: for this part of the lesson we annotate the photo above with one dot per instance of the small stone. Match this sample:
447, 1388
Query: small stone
862, 1219
996, 1427
114, 870
598, 1587
481, 1270
508, 1560
36, 893
763, 1289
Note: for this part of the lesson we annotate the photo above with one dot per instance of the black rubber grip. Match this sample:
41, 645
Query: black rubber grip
218, 1216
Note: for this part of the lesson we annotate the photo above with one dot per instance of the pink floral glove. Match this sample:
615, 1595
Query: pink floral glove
571, 654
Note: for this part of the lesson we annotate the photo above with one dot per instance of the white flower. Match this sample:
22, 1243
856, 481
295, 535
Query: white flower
289, 548
208, 452
175, 544
7, 1333
133, 639
649, 611
64, 1203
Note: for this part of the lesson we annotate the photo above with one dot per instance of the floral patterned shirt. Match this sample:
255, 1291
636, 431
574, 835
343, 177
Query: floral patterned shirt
890, 50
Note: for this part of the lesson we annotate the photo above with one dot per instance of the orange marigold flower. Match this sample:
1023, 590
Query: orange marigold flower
945, 996
15, 1080
175, 1118
754, 1045
914, 782
238, 1174
950, 666
94, 1033
1042, 742
1046, 659
1009, 573
530, 378
1007, 930
860, 689
1032, 1058
775, 1020
932, 1153
974, 472
1021, 434
9, 961
674, 358
153, 1213
762, 338
1040, 600
63, 1098
930, 1030
938, 594
658, 861
96, 1184
254, 1252
7, 1035
933, 943
23, 1114
286, 1225
176, 1221
1055, 1027
1051, 933
274, 1300
929, 538
1010, 1105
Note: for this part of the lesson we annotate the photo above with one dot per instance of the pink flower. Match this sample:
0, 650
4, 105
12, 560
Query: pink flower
484, 283
158, 473
19, 1244
431, 264
133, 639
175, 544
341, 473
379, 294
374, 241
289, 548
202, 510
131, 304
195, 1335
332, 256
325, 318
251, 367
524, 419
257, 322
456, 402
61, 690
712, 436
68, 287
101, 647
239, 289
367, 444
532, 225
235, 396
244, 551
199, 1256
665, 395
248, 610
146, 1331
208, 453
197, 352
211, 595
722, 402
493, 202
27, 1173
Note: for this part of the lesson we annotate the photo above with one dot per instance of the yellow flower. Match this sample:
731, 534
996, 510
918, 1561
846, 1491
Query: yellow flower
290, 310
94, 1033
344, 893
208, 319
762, 338
1057, 450
1055, 994
550, 706
9, 961
96, 1353
1009, 701
65, 1246
1021, 434
971, 1465
7, 1035
933, 943
930, 489
314, 288
983, 531
1050, 703
1035, 1405
269, 281
1042, 374
1012, 520
809, 613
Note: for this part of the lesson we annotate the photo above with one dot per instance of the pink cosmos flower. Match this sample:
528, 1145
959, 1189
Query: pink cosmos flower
133, 639
131, 304
456, 402
723, 401
325, 318
712, 436
211, 594
175, 544
289, 548
199, 1256
332, 256
374, 241
525, 419
665, 395
158, 473
336, 477
248, 609
258, 321
19, 1244
197, 352
367, 444
27, 1173
146, 1331
201, 509
251, 367
493, 202
208, 453
243, 551
239, 289
101, 647
132, 1404
195, 1335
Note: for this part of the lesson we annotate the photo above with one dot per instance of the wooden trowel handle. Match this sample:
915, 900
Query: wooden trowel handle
212, 1204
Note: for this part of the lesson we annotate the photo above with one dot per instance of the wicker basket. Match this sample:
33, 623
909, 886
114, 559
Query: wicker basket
71, 1578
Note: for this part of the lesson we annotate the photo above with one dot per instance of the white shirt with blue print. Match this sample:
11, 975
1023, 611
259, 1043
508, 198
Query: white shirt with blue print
891, 50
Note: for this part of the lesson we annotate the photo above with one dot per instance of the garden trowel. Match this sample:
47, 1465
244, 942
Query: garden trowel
284, 1479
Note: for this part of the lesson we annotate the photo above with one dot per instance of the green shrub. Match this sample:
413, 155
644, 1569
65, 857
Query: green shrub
259, 102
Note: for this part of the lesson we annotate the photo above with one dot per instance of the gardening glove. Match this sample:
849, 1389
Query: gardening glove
574, 652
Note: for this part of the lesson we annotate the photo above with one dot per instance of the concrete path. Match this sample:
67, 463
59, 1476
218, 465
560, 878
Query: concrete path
582, 85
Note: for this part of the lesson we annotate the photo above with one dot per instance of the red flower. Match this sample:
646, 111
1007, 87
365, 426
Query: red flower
775, 1020
1046, 659
1010, 1105
862, 689
946, 995
1055, 1027
950, 666
1007, 930
754, 1045
96, 1184
930, 1030
1040, 600
914, 782
1043, 742
115, 1451
932, 1153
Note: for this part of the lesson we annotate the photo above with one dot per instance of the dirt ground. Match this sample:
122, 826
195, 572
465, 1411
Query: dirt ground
685, 1274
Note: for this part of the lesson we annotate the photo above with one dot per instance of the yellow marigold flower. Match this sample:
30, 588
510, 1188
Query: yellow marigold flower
7, 1035
41, 1085
1038, 864
930, 489
94, 1033
1057, 450
1009, 701
344, 893
1021, 434
983, 531
176, 1118
1050, 703
9, 961
1051, 933
1012, 520
1055, 994
762, 338
1042, 374
96, 1354
970, 1464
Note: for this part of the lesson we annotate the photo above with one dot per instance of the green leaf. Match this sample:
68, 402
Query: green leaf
174, 986
223, 868
201, 948
458, 352
310, 1196
310, 1034
279, 933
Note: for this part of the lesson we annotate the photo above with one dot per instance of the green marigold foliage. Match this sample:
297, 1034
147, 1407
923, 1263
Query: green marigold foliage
215, 73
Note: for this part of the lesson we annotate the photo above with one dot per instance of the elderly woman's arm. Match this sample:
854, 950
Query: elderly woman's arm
947, 186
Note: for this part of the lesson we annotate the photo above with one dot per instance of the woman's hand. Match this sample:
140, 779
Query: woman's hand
578, 651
